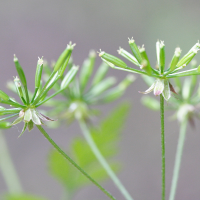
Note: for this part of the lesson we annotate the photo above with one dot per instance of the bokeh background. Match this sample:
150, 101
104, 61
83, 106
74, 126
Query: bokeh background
43, 28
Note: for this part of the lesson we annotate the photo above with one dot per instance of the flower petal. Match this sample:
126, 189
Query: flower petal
27, 115
35, 118
159, 87
150, 89
166, 92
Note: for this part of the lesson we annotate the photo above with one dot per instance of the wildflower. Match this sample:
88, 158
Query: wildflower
186, 105
27, 111
82, 95
139, 58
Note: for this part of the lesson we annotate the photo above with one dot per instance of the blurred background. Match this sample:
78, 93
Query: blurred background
44, 28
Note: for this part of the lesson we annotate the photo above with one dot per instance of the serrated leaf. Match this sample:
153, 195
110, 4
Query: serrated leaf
106, 137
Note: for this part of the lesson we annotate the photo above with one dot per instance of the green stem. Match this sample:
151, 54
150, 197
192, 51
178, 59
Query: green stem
162, 144
72, 162
102, 160
177, 164
8, 171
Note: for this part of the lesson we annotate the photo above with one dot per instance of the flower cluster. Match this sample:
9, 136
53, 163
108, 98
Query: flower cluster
186, 104
86, 91
27, 111
161, 85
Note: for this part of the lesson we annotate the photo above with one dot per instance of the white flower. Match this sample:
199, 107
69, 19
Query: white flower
161, 86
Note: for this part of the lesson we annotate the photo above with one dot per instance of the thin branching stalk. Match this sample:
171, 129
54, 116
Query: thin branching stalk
162, 144
72, 162
102, 160
7, 168
177, 164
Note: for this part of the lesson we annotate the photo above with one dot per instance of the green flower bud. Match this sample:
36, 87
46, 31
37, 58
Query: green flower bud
20, 71
21, 76
135, 50
195, 47
162, 56
68, 77
175, 59
187, 58
187, 89
145, 61
117, 92
112, 59
87, 69
101, 87
64, 56
128, 56
62, 69
126, 82
19, 89
100, 74
158, 52
4, 96
38, 73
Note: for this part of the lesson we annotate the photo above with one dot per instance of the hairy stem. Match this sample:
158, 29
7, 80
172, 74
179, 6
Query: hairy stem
7, 168
72, 162
177, 164
162, 144
102, 160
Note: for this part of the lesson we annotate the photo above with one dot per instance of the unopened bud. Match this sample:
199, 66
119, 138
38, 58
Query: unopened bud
112, 59
175, 59
135, 50
128, 56
188, 57
38, 73
64, 56
145, 61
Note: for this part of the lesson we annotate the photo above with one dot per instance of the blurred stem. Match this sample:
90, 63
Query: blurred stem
8, 170
102, 160
162, 144
72, 162
179, 151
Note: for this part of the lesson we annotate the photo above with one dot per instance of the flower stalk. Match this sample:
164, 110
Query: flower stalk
177, 164
162, 144
45, 134
161, 86
28, 112
102, 160
7, 168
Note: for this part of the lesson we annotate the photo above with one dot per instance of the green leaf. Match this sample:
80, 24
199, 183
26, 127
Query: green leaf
21, 197
106, 137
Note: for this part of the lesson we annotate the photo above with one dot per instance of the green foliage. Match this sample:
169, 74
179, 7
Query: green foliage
21, 197
106, 137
